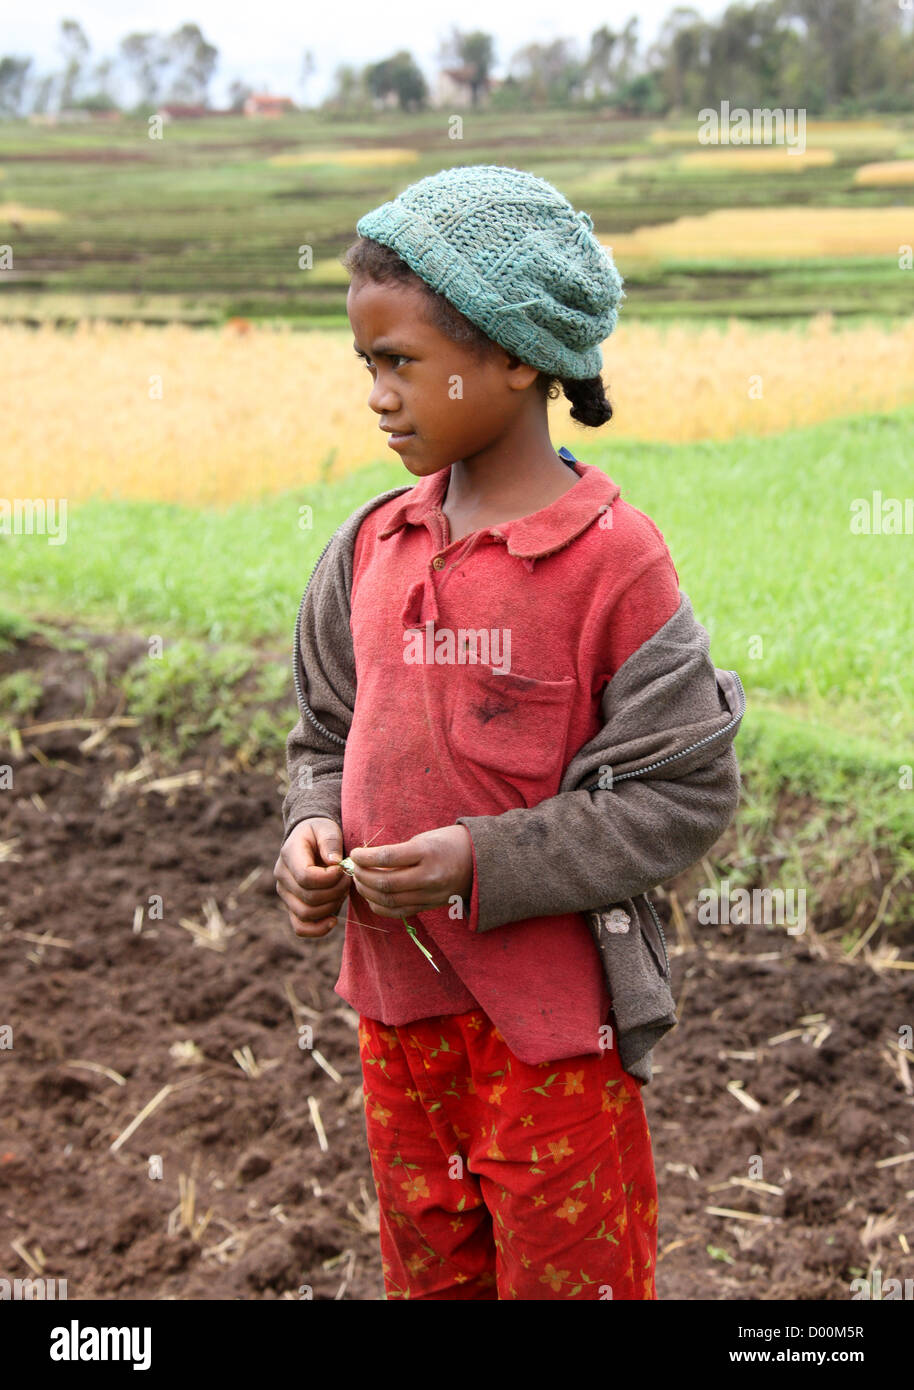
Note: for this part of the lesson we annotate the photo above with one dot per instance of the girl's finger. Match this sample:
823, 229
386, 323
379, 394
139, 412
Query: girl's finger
403, 907
311, 897
307, 913
393, 881
295, 908
315, 877
388, 857
313, 928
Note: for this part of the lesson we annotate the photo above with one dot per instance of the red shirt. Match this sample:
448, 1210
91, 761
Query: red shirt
561, 598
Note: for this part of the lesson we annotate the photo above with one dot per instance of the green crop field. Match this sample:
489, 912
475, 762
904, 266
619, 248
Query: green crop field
201, 224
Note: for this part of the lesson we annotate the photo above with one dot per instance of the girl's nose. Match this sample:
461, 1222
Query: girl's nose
383, 398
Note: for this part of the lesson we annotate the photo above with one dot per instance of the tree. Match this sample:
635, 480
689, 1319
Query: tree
398, 74
348, 90
101, 95
42, 93
475, 52
642, 96
13, 74
308, 69
550, 72
848, 42
900, 75
681, 56
145, 59
193, 61
508, 95
238, 92
598, 64
610, 62
628, 50
748, 53
75, 48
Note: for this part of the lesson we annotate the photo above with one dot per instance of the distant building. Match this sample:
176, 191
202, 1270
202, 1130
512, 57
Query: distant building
180, 111
454, 88
261, 104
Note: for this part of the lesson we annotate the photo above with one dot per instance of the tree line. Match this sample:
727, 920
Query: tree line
840, 56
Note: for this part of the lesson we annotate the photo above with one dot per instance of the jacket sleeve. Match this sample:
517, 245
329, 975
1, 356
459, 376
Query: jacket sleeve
315, 747
581, 850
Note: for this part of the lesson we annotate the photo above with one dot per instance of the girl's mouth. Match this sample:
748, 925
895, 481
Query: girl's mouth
397, 440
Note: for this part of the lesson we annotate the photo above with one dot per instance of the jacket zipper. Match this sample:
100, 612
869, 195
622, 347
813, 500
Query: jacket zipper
296, 642
660, 930
662, 762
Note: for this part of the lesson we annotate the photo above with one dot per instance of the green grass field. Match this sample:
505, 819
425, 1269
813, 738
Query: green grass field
812, 616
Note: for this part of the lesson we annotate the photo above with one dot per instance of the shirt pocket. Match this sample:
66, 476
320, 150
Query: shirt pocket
514, 726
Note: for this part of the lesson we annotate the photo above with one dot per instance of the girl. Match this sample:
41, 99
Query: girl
480, 617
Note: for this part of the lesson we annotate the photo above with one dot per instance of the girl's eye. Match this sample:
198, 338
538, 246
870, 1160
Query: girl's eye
395, 358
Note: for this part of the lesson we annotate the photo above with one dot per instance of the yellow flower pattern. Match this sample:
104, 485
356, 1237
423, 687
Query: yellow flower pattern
502, 1179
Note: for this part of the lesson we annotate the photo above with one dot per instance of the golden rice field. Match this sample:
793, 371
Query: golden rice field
887, 174
845, 135
787, 233
758, 159
356, 158
208, 416
15, 212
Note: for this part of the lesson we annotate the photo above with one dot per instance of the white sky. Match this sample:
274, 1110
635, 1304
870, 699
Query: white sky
264, 42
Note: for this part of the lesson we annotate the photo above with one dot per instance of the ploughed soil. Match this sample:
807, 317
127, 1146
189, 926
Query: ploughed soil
158, 1136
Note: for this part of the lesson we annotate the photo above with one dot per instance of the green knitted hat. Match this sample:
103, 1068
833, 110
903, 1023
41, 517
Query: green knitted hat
510, 252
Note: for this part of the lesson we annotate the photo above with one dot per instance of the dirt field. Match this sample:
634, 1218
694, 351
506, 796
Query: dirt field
248, 1204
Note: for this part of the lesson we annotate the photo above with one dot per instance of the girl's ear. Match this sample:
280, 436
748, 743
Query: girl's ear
524, 374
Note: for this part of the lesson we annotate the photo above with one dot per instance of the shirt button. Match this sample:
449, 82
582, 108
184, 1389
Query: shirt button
438, 562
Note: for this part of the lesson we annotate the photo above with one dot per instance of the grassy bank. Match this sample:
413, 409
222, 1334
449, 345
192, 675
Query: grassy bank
814, 616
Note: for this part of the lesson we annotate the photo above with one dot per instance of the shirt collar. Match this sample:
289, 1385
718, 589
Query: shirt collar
531, 537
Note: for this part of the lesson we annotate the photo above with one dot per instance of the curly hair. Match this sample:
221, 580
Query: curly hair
589, 403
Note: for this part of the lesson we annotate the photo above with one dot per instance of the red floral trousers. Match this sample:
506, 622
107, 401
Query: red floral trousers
500, 1180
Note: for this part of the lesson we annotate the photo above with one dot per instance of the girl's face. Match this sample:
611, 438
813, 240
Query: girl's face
447, 401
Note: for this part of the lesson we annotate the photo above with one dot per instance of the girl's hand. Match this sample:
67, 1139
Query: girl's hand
417, 875
308, 877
